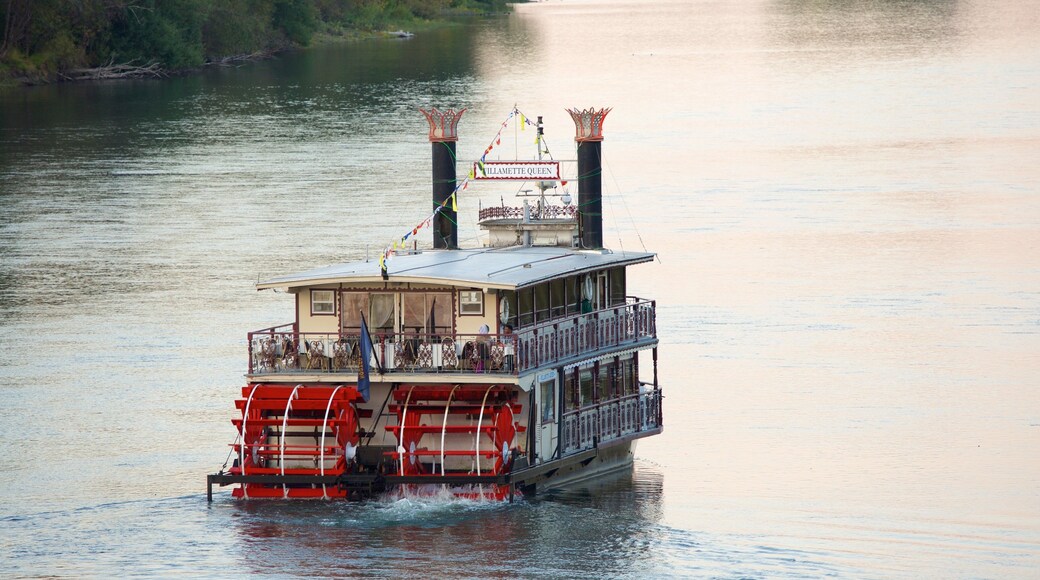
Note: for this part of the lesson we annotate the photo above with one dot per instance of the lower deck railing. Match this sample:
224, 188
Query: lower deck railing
593, 425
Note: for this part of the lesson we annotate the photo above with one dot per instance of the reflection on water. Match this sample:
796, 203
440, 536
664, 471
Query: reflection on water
843, 196
614, 522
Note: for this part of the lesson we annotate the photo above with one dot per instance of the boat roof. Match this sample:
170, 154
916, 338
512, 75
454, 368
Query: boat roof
503, 268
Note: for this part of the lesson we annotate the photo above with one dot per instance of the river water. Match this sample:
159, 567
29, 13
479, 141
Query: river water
844, 196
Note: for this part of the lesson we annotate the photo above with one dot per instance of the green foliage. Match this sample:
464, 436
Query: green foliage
297, 19
167, 31
39, 38
236, 27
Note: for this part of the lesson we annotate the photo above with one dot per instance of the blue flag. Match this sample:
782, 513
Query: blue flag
364, 381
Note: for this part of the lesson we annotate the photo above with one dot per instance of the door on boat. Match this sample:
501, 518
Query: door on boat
548, 414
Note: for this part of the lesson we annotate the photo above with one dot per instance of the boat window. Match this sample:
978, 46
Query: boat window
572, 389
558, 297
323, 302
354, 303
526, 311
573, 297
627, 378
440, 308
414, 316
603, 382
541, 302
426, 312
617, 286
548, 401
471, 302
586, 387
381, 313
507, 307
601, 299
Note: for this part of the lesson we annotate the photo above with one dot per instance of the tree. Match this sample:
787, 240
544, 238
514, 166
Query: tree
297, 19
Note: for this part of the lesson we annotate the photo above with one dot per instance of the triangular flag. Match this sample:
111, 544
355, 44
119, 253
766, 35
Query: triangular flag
472, 173
454, 203
523, 122
499, 140
563, 182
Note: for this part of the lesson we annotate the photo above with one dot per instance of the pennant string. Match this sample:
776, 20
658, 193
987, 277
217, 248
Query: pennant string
389, 251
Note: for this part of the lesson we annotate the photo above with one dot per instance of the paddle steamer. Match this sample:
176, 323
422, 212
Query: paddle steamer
508, 368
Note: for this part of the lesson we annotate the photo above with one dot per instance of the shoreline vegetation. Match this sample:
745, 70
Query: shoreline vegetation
49, 41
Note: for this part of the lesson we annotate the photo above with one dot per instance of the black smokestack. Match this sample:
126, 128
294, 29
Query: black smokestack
443, 135
445, 232
588, 126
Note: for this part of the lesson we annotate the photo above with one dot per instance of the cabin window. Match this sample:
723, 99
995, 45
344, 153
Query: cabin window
471, 302
587, 387
548, 391
603, 386
526, 311
602, 292
507, 308
573, 295
426, 312
571, 389
381, 313
323, 302
541, 302
628, 377
623, 378
617, 286
353, 304
558, 297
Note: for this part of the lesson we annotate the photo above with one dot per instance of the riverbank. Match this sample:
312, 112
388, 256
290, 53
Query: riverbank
173, 44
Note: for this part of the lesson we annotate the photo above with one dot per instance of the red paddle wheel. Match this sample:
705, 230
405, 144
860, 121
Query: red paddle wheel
295, 430
505, 439
461, 430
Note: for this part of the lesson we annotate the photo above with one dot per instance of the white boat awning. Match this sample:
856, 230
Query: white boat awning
502, 268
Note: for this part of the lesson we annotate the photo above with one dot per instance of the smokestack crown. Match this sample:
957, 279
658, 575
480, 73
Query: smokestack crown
443, 124
588, 123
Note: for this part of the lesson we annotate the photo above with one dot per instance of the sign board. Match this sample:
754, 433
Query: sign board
517, 170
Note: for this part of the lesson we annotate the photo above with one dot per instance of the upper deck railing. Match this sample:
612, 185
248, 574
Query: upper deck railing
284, 350
546, 212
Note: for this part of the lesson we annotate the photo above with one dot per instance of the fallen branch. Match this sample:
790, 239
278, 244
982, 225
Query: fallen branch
126, 70
237, 58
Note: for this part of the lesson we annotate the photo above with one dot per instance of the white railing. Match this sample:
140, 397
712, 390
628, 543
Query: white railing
558, 340
593, 425
282, 350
